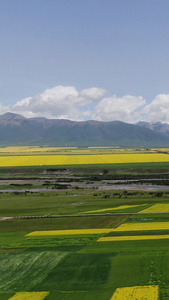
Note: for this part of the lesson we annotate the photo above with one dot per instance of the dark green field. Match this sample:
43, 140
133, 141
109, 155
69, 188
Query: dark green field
74, 267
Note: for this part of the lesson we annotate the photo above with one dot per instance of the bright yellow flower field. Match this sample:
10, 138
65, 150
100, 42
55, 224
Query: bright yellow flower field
113, 208
133, 238
70, 232
123, 227
137, 293
142, 226
35, 160
30, 296
157, 208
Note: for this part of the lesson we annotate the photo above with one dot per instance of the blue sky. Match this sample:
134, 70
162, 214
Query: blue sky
53, 50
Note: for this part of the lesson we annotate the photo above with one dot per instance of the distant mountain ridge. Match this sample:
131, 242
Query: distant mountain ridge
17, 130
157, 126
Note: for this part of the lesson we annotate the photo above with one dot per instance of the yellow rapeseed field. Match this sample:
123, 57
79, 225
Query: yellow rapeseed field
157, 208
70, 232
132, 238
149, 292
30, 296
113, 208
123, 227
35, 160
142, 226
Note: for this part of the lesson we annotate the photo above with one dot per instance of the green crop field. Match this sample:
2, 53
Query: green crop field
76, 266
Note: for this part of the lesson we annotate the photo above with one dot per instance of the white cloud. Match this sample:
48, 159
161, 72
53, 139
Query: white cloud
66, 102
58, 102
92, 94
158, 109
124, 109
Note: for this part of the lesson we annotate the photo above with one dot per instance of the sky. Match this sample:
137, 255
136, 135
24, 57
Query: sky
85, 59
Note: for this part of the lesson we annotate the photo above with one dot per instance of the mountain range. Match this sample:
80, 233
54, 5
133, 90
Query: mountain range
158, 126
16, 130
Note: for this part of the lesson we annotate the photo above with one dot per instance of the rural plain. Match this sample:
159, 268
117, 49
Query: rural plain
84, 223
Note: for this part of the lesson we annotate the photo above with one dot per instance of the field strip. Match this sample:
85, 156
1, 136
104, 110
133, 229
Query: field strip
149, 292
30, 149
113, 208
123, 227
162, 207
71, 232
133, 238
30, 296
142, 226
35, 160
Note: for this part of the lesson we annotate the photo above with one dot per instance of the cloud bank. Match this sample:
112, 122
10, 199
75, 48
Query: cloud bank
66, 102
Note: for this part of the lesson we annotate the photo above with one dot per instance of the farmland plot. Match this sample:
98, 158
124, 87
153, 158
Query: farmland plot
22, 271
77, 157
136, 293
162, 207
64, 259
30, 296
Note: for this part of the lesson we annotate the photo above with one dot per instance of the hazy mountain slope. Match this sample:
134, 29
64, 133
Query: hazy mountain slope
18, 130
158, 126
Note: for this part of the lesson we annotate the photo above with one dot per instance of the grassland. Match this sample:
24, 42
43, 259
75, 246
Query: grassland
96, 255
